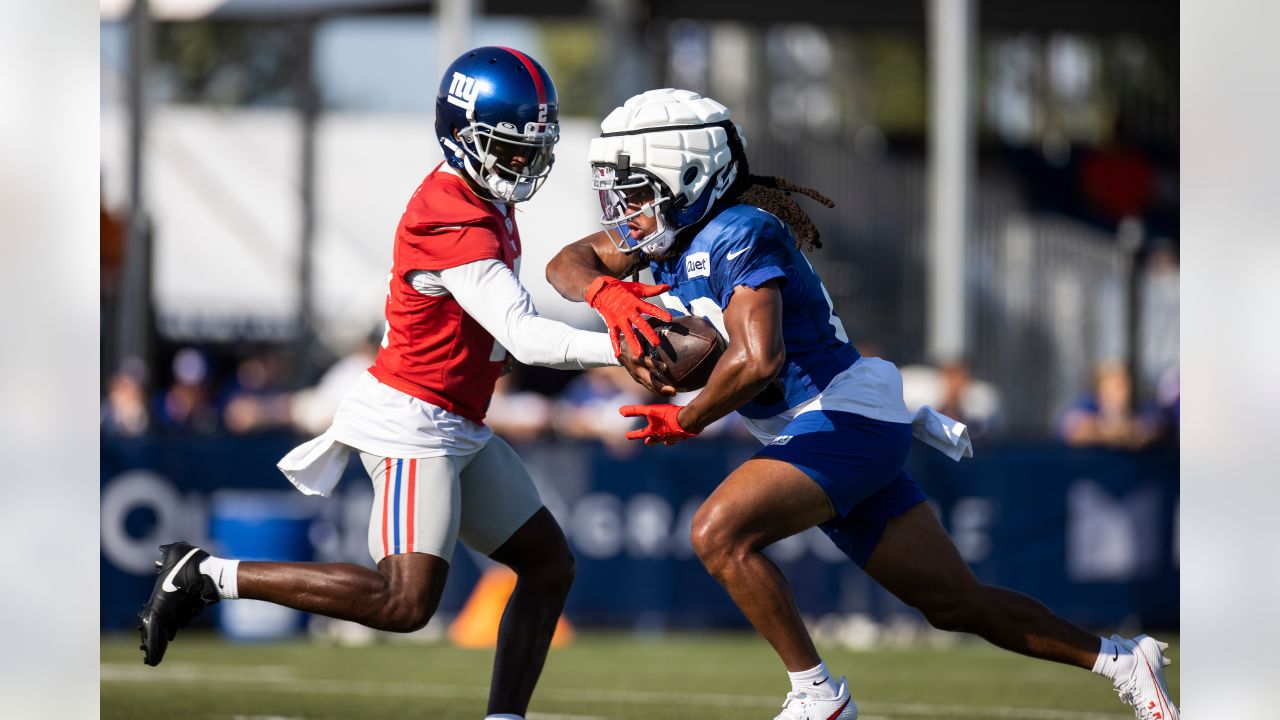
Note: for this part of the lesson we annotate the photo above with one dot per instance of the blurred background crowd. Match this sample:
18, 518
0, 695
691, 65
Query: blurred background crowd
206, 391
257, 154
1006, 231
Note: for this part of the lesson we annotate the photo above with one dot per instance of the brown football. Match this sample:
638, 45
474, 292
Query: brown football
690, 346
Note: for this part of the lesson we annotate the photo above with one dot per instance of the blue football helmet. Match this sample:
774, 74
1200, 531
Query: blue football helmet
497, 120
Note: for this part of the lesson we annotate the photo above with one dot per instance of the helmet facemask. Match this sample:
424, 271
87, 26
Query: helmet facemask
510, 165
626, 194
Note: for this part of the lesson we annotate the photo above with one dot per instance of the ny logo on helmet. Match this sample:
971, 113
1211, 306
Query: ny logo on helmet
463, 91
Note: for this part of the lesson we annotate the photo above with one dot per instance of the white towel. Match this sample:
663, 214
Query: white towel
316, 466
942, 433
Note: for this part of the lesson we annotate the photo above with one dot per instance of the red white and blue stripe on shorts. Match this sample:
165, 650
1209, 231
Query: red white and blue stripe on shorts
399, 485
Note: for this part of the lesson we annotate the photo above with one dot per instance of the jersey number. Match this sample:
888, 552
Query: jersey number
707, 308
703, 306
835, 319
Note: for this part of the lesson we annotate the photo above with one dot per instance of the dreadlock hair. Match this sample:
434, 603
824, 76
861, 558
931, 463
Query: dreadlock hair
773, 195
767, 192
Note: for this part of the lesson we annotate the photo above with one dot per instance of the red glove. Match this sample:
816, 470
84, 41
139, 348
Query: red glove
663, 426
620, 304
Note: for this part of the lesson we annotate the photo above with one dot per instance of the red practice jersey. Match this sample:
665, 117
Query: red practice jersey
433, 350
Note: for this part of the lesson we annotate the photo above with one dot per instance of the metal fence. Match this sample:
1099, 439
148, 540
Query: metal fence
1046, 295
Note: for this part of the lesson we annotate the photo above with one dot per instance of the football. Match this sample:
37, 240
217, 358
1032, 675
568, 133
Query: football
690, 346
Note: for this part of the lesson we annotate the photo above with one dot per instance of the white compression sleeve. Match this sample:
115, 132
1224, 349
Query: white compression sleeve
489, 292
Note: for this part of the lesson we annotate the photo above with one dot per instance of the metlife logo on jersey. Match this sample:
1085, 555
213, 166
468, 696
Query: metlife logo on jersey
697, 265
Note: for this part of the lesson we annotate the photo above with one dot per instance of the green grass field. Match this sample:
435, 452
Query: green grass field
599, 676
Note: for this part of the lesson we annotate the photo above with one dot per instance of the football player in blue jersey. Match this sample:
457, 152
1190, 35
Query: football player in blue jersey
678, 197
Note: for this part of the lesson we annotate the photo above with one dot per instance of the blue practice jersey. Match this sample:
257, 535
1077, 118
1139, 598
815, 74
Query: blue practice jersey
744, 245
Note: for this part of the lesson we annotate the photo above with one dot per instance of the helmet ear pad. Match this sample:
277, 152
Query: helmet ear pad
684, 213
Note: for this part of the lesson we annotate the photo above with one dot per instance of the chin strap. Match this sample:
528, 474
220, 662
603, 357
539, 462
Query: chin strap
663, 237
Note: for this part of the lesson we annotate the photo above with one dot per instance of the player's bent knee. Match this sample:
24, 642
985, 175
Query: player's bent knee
945, 619
554, 576
552, 565
717, 544
952, 613
562, 580
566, 570
707, 540
406, 615
406, 607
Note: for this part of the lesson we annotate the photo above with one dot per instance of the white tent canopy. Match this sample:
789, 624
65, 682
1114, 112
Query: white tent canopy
223, 197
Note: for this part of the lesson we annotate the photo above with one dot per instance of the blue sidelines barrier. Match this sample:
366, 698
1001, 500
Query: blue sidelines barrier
1092, 534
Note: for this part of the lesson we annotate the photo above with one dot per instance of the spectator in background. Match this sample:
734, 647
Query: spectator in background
185, 406
124, 410
257, 400
951, 390
516, 414
311, 410
1169, 400
1106, 416
588, 408
1159, 305
731, 425
972, 402
111, 241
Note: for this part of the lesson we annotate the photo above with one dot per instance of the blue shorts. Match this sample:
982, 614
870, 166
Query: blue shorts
858, 463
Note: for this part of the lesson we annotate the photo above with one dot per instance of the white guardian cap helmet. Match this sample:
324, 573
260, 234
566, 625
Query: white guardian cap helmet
664, 153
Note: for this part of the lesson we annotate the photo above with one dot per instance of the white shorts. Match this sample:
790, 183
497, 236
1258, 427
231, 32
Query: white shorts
425, 504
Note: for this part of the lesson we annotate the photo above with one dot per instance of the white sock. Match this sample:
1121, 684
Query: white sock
1113, 660
505, 716
223, 573
814, 682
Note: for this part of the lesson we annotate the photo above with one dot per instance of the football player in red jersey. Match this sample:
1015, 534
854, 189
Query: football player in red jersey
455, 308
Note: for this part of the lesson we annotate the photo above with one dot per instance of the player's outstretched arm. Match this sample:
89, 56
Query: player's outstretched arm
588, 270
753, 358
489, 292
579, 263
753, 321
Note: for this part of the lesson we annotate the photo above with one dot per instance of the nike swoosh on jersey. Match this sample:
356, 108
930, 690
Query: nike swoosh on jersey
168, 585
736, 253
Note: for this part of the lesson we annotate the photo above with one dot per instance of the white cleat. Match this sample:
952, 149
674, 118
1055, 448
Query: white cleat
802, 706
1144, 688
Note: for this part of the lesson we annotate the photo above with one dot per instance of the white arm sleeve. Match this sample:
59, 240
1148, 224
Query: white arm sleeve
489, 292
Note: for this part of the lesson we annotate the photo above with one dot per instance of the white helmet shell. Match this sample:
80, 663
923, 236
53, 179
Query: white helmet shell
679, 138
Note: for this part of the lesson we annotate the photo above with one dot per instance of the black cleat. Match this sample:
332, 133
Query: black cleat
181, 593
